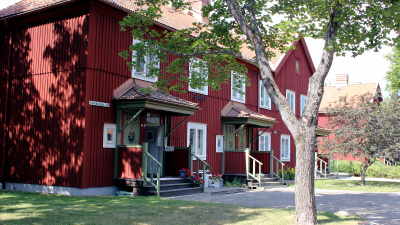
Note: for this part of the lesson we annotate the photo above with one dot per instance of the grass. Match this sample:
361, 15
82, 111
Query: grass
34, 208
355, 185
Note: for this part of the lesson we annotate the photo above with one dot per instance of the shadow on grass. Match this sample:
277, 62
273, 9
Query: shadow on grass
326, 218
27, 208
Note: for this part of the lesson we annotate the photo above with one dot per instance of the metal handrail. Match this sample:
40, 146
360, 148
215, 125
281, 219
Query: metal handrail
145, 179
253, 174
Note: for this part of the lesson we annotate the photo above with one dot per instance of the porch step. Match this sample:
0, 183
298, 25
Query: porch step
266, 182
177, 192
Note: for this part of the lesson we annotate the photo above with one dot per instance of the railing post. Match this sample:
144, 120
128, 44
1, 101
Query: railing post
271, 165
197, 167
247, 153
190, 161
158, 180
283, 174
223, 161
316, 165
144, 162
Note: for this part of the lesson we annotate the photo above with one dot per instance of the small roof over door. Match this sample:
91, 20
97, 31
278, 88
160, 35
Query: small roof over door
237, 113
130, 96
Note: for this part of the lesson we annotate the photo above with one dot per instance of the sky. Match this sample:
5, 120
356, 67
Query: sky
371, 67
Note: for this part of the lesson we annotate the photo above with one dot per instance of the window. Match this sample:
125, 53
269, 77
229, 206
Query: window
109, 135
290, 96
264, 142
231, 142
198, 69
303, 100
143, 68
265, 100
235, 95
219, 143
297, 66
285, 148
197, 137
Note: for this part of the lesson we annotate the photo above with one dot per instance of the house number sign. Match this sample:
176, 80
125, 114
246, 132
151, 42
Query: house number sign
101, 104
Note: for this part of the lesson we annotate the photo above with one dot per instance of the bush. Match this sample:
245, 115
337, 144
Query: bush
378, 169
289, 173
235, 183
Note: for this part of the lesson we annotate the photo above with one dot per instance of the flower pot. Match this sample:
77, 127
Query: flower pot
183, 175
197, 185
207, 179
217, 184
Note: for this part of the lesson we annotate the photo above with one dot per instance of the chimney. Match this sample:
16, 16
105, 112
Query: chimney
341, 80
197, 5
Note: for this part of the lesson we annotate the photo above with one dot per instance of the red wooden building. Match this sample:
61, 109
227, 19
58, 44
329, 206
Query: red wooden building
73, 119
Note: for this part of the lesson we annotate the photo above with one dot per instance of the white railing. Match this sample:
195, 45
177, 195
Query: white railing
146, 155
277, 162
255, 161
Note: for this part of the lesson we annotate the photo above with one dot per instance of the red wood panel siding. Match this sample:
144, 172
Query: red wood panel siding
46, 110
130, 161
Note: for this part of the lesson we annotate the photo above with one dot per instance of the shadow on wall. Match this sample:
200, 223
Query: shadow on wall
45, 142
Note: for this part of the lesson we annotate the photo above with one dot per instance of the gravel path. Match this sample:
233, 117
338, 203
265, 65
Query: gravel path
376, 208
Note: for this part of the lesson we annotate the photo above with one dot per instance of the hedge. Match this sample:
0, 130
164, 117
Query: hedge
378, 169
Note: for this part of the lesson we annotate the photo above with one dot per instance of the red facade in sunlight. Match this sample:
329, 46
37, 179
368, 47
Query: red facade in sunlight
55, 60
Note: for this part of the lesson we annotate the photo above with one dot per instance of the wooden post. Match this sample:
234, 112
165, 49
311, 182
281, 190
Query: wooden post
247, 163
144, 162
271, 165
316, 165
190, 160
223, 161
158, 180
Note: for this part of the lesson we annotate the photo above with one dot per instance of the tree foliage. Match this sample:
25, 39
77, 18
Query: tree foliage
364, 129
393, 75
345, 25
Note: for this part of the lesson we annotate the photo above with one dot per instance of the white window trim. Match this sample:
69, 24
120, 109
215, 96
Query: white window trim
106, 128
221, 138
233, 97
195, 90
198, 126
259, 95
268, 135
303, 100
289, 92
142, 75
287, 137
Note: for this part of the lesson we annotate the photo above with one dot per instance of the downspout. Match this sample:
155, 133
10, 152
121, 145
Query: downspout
6, 111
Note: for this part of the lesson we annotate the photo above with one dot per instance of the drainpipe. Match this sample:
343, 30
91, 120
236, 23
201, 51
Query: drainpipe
6, 111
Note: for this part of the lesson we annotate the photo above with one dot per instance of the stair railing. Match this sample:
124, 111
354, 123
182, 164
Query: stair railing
206, 166
334, 164
321, 162
277, 162
255, 161
146, 155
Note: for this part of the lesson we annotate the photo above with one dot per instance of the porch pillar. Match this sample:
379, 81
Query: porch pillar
247, 151
271, 162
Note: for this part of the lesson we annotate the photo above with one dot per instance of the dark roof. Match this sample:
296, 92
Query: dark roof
238, 110
131, 90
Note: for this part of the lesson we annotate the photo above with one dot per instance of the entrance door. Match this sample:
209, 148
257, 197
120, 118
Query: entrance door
154, 138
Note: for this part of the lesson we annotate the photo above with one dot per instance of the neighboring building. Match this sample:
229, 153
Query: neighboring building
74, 118
343, 88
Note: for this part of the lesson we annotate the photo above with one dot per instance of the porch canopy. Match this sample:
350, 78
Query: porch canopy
130, 96
237, 113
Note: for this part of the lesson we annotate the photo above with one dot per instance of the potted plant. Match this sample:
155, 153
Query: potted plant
216, 180
198, 181
184, 173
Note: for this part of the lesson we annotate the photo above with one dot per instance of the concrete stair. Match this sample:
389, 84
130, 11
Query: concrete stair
266, 182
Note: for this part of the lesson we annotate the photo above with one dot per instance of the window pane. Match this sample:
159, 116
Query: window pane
191, 138
200, 142
262, 143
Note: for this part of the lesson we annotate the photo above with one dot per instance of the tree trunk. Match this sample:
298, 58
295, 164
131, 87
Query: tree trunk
363, 172
306, 212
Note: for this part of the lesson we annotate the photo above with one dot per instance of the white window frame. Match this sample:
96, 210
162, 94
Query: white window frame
141, 75
303, 100
235, 95
264, 148
109, 143
291, 97
197, 69
198, 126
265, 101
284, 151
221, 139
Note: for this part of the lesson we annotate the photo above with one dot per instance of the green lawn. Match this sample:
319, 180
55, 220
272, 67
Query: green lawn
33, 208
355, 185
